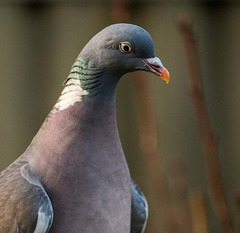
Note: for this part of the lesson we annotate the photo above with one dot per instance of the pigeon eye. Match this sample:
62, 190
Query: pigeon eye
125, 47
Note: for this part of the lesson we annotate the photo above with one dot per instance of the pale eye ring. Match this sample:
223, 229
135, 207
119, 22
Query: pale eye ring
125, 47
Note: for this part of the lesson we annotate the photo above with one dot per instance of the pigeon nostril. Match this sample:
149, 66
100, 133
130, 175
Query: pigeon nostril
156, 66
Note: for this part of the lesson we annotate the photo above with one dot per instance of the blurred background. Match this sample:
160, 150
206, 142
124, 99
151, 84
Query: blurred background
39, 41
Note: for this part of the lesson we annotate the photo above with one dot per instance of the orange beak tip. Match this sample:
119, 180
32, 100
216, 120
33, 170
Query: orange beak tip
165, 75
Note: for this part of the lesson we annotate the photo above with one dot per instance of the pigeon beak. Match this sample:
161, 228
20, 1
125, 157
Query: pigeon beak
156, 67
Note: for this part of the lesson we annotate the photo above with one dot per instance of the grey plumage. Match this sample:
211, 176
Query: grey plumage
22, 199
139, 210
74, 177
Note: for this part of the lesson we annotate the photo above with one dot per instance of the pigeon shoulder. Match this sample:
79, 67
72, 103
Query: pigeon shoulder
24, 204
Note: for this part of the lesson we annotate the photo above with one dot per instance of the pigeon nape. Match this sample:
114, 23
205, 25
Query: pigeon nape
73, 177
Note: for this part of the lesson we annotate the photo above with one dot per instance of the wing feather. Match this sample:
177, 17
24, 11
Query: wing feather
24, 205
139, 210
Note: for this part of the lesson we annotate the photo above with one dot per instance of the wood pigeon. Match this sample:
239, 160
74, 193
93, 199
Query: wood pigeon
73, 177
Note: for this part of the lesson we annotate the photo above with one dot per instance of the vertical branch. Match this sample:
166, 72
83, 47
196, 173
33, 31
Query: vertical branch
198, 212
237, 201
169, 215
206, 133
178, 187
120, 12
150, 149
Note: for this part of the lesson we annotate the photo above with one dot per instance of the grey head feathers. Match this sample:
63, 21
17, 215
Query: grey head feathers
103, 48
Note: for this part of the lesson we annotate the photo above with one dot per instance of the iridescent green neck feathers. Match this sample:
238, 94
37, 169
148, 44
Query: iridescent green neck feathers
83, 81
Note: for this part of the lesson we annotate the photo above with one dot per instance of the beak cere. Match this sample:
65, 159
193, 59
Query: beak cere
156, 66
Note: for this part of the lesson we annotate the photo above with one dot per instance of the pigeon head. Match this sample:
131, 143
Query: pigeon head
114, 51
123, 48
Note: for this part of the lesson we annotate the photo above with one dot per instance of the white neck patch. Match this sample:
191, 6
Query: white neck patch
73, 91
71, 94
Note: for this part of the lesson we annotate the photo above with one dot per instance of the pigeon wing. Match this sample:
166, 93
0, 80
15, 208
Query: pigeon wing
24, 205
139, 210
